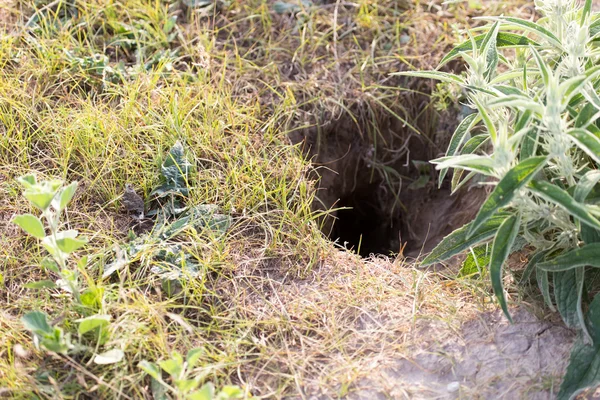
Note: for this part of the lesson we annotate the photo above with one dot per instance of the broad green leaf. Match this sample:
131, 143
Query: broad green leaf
30, 224
513, 181
193, 356
586, 141
500, 251
528, 26
37, 322
588, 255
68, 242
457, 140
66, 195
477, 259
440, 76
40, 285
503, 40
566, 296
40, 199
230, 392
150, 368
186, 385
206, 392
109, 357
458, 240
171, 367
50, 265
562, 198
90, 323
28, 181
584, 364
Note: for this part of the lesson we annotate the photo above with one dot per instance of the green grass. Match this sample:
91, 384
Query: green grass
98, 93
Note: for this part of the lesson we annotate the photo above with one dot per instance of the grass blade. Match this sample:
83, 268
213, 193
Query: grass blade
460, 133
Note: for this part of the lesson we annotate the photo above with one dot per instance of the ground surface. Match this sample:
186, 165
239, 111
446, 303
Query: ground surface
285, 109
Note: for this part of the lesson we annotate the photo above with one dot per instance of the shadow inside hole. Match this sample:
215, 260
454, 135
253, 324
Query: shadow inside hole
362, 225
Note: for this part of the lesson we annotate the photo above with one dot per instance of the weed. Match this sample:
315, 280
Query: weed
540, 112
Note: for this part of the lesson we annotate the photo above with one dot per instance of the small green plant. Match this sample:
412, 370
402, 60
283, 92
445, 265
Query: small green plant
51, 198
184, 384
535, 135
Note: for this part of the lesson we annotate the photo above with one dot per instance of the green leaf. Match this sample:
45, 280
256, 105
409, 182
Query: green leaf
542, 280
500, 251
90, 323
477, 259
586, 141
588, 255
28, 181
30, 224
458, 138
529, 26
66, 195
513, 181
151, 369
584, 363
171, 367
585, 185
40, 285
566, 296
68, 242
562, 198
486, 120
531, 265
37, 322
230, 392
503, 40
440, 76
458, 240
109, 357
193, 356
470, 162
40, 199
488, 47
546, 73
530, 144
584, 117
587, 9
206, 392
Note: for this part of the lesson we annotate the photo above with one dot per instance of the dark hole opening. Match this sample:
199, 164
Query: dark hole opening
362, 225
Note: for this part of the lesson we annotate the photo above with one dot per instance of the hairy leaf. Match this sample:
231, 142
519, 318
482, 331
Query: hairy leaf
459, 241
500, 251
513, 181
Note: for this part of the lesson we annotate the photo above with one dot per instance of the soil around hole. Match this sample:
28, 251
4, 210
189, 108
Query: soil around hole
369, 170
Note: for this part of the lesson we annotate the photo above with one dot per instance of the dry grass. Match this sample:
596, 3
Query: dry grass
279, 311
